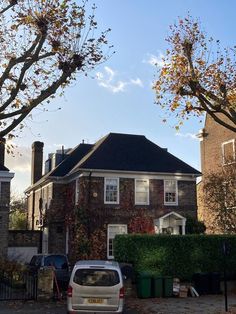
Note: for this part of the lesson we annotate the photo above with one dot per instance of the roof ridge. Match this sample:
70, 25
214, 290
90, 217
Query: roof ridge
129, 134
95, 147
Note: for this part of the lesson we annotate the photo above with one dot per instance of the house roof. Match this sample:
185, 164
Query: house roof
3, 168
125, 152
120, 152
71, 160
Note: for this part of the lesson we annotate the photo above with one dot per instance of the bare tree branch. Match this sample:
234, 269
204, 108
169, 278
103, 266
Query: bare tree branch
42, 48
11, 4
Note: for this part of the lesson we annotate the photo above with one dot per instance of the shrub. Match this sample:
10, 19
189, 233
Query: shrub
177, 255
11, 268
194, 226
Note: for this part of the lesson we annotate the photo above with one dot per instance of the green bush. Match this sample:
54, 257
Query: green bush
194, 226
177, 255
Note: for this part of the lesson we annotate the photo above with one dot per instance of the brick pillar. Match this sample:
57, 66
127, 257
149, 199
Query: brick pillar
202, 135
2, 151
37, 161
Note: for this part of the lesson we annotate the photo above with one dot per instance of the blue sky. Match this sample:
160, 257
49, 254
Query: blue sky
117, 96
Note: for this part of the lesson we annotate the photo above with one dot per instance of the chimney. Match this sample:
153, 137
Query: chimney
37, 161
2, 151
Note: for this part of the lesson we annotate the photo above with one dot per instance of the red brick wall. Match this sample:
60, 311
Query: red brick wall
211, 150
4, 217
126, 208
211, 161
91, 198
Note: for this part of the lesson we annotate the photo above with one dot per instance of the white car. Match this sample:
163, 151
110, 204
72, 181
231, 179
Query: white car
95, 287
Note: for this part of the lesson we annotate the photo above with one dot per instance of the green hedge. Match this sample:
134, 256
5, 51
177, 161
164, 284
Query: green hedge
176, 255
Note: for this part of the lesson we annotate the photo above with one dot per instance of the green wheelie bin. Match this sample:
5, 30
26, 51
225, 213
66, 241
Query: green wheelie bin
167, 286
157, 286
144, 285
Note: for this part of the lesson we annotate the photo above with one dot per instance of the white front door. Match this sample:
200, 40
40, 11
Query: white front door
112, 231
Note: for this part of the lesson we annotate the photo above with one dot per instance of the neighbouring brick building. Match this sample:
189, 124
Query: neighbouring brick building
5, 181
218, 150
113, 181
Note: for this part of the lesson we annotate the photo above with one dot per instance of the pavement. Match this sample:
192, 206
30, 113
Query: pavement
210, 304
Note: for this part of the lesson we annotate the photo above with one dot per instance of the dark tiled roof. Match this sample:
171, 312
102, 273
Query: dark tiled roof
3, 168
120, 152
133, 153
71, 160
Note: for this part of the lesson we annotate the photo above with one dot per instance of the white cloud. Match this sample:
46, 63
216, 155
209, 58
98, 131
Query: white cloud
137, 82
187, 135
20, 164
20, 160
154, 60
107, 79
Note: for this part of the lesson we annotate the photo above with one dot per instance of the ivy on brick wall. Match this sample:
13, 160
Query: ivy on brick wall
141, 223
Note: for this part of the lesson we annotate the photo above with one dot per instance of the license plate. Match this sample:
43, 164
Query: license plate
95, 301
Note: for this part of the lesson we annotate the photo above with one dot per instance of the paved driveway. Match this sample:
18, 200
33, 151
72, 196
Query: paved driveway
202, 305
210, 304
43, 307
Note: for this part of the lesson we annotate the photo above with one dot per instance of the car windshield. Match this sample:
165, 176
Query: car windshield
58, 261
36, 260
96, 277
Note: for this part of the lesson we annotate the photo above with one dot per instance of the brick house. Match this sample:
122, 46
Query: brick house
218, 150
112, 180
5, 181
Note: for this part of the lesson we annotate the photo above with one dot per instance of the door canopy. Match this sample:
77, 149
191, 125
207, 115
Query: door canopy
170, 223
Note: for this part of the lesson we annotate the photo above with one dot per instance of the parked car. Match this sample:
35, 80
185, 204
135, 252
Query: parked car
60, 264
95, 287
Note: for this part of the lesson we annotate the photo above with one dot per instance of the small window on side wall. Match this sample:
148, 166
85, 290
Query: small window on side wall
142, 192
76, 192
228, 152
170, 192
111, 191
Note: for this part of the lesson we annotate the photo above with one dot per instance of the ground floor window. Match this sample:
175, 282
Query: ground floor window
112, 231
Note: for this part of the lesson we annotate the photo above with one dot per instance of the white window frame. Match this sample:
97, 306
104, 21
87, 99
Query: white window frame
176, 193
76, 191
108, 238
225, 196
141, 203
224, 162
118, 190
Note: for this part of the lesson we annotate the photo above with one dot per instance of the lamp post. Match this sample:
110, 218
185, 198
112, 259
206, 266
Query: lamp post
226, 252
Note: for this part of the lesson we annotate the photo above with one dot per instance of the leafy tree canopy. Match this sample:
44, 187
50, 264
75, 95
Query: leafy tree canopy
197, 76
220, 199
43, 44
18, 213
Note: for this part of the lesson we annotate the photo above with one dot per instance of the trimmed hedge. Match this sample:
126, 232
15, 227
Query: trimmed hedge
177, 255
